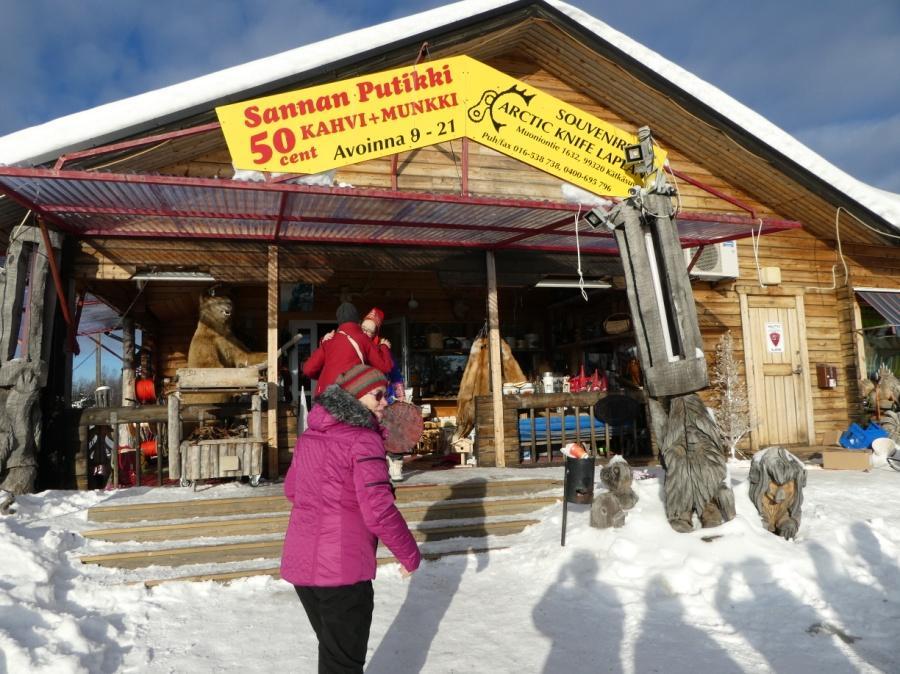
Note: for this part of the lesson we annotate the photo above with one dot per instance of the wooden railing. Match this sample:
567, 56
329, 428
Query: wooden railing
541, 446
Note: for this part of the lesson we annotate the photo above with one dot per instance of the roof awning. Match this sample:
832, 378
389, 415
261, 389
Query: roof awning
885, 301
93, 204
97, 316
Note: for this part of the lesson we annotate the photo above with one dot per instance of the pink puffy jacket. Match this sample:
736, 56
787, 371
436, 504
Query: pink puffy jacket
343, 501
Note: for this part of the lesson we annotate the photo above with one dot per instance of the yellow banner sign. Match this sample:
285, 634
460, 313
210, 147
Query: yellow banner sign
340, 123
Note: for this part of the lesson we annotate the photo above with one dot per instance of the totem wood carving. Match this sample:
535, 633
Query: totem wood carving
670, 349
27, 310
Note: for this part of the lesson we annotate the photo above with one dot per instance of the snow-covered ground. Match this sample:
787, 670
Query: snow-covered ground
637, 599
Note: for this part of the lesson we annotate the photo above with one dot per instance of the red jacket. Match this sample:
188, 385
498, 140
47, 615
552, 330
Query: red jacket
337, 355
342, 499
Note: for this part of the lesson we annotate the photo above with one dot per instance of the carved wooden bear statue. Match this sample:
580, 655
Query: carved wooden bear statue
214, 343
777, 479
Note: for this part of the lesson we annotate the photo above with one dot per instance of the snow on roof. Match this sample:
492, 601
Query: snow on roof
47, 141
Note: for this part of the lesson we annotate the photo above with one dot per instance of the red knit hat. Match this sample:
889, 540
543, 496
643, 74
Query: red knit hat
375, 315
360, 379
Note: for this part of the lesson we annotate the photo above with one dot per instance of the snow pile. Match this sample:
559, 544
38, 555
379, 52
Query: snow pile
50, 620
637, 599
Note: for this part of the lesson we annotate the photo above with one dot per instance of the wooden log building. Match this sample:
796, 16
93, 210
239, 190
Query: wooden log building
424, 234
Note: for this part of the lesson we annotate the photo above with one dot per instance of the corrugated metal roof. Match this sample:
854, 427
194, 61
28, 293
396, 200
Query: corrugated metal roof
97, 317
107, 204
886, 302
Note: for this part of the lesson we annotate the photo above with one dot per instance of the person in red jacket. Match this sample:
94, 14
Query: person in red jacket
342, 504
344, 348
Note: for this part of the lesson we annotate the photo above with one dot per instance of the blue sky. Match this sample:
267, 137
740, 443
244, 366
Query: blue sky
826, 71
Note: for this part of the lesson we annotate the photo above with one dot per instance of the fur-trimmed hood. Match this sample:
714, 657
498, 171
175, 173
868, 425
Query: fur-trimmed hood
345, 408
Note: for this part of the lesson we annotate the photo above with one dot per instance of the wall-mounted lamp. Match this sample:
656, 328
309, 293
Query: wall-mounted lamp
188, 276
413, 303
639, 157
597, 217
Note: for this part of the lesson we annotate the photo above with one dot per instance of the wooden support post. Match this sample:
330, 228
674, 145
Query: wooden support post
98, 361
114, 459
255, 417
126, 438
174, 443
128, 397
272, 372
493, 312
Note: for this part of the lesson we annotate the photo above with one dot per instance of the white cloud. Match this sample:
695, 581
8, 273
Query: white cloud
59, 57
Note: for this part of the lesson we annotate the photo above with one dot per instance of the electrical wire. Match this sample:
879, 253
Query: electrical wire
578, 254
133, 155
837, 236
84, 360
667, 165
864, 224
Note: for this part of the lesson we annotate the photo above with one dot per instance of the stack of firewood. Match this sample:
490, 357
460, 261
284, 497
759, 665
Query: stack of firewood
431, 439
218, 432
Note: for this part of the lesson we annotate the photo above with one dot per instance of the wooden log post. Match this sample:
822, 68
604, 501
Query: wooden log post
493, 312
116, 439
126, 437
174, 436
666, 328
272, 373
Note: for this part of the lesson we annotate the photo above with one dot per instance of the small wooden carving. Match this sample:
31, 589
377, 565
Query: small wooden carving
887, 391
617, 478
606, 512
890, 422
777, 479
693, 455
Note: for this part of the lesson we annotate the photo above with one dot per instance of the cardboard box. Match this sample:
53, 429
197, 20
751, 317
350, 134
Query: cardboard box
831, 438
846, 459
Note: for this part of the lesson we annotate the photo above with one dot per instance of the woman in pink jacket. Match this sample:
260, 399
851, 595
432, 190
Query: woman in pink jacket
343, 503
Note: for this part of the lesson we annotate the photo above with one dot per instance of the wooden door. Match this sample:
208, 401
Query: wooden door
777, 369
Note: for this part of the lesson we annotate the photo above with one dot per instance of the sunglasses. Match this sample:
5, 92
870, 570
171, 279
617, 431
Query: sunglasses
378, 395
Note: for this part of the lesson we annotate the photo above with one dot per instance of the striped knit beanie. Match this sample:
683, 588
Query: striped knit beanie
360, 379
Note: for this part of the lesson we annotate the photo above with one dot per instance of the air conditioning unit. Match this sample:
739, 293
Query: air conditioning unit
716, 262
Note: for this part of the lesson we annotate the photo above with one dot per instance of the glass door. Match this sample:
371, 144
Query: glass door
394, 330
312, 332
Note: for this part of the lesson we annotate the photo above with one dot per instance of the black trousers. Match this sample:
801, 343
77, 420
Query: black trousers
341, 618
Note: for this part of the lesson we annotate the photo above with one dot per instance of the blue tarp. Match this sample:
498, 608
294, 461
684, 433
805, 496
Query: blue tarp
556, 426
